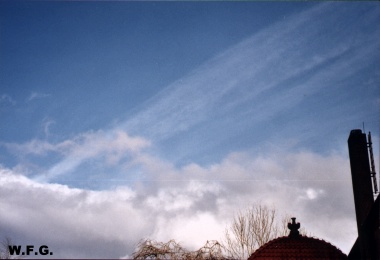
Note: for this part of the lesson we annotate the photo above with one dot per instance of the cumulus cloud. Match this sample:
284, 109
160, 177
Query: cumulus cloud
70, 221
194, 205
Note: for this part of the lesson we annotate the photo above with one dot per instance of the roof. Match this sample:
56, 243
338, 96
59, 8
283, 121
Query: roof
296, 246
301, 247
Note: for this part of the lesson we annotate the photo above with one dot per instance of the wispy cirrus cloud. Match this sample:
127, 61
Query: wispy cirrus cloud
268, 73
112, 145
46, 124
260, 78
5, 98
35, 146
108, 145
37, 95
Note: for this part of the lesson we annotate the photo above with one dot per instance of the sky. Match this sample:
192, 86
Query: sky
130, 120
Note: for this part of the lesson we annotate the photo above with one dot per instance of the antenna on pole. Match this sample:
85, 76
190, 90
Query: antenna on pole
372, 164
363, 128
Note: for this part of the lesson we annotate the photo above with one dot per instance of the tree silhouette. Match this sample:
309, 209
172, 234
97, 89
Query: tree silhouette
150, 249
249, 230
252, 228
4, 249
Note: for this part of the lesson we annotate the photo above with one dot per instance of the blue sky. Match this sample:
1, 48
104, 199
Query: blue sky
143, 101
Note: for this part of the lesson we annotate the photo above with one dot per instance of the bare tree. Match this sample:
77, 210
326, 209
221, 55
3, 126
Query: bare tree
249, 230
4, 249
211, 250
252, 228
149, 249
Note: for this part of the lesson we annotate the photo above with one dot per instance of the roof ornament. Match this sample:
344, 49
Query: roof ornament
294, 228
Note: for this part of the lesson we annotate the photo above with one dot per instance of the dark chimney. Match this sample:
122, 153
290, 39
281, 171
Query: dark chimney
362, 187
361, 175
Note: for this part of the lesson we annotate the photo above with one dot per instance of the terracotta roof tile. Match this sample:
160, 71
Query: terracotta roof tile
299, 247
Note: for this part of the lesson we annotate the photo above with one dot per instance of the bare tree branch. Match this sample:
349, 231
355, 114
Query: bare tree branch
253, 228
4, 249
249, 230
150, 249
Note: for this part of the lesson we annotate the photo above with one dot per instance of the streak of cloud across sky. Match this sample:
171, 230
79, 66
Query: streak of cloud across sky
119, 118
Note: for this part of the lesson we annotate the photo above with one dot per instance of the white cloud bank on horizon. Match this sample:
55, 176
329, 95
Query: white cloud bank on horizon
191, 204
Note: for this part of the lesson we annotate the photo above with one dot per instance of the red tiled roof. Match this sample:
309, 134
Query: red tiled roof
298, 247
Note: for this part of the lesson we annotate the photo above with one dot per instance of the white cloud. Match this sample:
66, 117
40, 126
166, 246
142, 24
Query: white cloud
193, 206
66, 218
191, 231
312, 194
